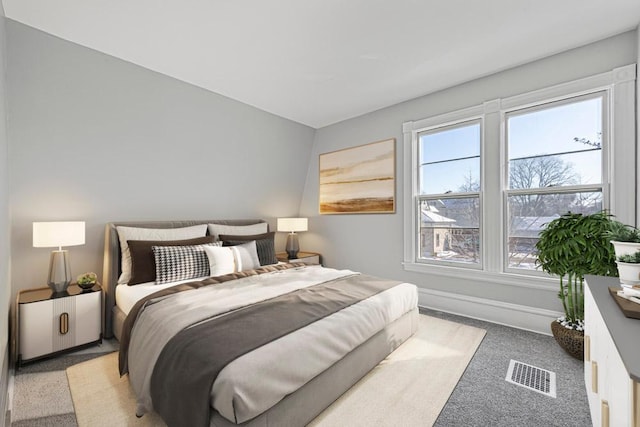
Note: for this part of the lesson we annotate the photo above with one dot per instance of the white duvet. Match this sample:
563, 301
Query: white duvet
127, 296
256, 381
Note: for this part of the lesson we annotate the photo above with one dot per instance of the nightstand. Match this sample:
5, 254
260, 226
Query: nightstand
306, 257
52, 323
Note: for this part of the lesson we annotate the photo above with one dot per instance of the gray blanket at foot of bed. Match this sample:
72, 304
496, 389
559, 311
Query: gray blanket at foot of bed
189, 363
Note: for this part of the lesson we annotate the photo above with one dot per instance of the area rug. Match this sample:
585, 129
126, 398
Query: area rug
409, 387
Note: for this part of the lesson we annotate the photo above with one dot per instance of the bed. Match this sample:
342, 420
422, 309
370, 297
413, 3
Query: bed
325, 356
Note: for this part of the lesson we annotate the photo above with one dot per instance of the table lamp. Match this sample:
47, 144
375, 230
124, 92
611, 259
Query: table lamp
58, 234
291, 225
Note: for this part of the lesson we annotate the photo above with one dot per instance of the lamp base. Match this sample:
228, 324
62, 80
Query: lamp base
59, 271
292, 246
59, 288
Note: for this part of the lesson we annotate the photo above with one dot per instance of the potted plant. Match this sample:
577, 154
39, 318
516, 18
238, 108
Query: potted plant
625, 238
571, 246
87, 280
629, 268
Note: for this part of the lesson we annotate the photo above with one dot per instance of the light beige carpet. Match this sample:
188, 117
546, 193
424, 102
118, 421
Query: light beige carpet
410, 387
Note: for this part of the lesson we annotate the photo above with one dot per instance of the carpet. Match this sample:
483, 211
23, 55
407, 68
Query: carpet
409, 387
41, 395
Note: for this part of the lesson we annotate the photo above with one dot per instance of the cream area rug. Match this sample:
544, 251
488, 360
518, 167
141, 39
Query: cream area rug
409, 387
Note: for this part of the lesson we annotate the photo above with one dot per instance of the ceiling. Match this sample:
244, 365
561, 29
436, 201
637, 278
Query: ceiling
319, 62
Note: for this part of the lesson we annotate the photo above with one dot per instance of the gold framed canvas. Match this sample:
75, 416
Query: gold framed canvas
359, 179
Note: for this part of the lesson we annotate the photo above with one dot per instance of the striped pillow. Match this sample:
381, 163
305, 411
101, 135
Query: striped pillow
264, 245
231, 259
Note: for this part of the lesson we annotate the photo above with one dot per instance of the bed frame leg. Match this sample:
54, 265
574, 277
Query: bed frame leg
140, 410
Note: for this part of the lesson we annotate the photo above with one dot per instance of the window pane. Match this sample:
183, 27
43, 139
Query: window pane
556, 146
450, 159
449, 230
457, 176
528, 215
451, 143
555, 171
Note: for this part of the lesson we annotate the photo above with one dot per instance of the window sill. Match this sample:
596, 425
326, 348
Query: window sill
511, 279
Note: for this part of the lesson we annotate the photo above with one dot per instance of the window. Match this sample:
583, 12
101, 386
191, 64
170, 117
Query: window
449, 188
554, 166
482, 182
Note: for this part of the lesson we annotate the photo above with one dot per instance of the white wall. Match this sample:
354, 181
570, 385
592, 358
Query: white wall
374, 243
98, 139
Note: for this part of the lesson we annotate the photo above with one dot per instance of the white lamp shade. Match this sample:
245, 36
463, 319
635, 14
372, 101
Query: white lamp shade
58, 234
292, 224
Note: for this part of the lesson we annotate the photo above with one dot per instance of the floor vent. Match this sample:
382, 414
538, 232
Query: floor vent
533, 378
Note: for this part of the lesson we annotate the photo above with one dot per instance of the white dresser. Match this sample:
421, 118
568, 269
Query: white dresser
50, 323
611, 357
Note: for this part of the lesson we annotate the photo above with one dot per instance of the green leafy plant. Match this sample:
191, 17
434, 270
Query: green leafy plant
571, 246
630, 258
620, 232
87, 278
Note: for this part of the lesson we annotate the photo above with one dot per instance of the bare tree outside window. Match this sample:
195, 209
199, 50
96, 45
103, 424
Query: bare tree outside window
546, 177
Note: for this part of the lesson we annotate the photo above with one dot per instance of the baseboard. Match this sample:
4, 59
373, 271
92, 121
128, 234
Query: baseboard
513, 315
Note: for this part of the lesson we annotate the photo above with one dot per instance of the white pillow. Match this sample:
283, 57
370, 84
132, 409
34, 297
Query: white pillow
238, 230
231, 259
136, 233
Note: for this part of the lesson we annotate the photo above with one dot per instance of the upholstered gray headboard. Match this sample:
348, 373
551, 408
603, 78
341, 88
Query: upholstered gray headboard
111, 267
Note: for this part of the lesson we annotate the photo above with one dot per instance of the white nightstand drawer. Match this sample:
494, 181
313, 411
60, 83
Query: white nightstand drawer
52, 324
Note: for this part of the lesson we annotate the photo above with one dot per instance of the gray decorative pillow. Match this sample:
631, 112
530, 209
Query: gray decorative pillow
264, 245
238, 230
175, 263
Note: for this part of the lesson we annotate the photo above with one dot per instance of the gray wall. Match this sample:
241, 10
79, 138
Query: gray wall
374, 243
98, 139
5, 231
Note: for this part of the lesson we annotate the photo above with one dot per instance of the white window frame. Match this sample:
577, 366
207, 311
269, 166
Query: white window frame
603, 187
619, 160
421, 197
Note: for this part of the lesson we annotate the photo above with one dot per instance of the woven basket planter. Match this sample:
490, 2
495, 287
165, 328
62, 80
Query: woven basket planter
570, 340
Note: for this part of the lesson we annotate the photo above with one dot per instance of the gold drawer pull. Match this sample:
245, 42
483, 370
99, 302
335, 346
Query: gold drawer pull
594, 377
64, 323
587, 348
605, 414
